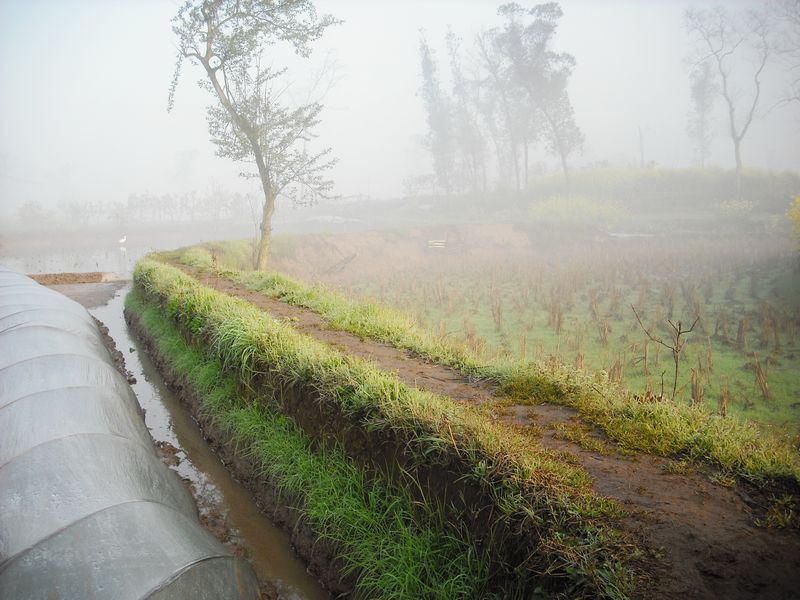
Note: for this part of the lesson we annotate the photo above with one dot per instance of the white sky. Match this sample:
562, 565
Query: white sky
83, 88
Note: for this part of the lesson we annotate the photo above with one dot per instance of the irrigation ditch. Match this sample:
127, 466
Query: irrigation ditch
225, 507
320, 557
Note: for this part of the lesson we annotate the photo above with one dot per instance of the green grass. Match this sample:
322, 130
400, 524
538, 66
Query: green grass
737, 446
531, 490
231, 254
372, 523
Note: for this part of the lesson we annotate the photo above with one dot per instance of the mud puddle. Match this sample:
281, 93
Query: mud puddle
225, 506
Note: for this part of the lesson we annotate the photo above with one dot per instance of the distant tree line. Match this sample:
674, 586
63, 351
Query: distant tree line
510, 98
146, 207
506, 94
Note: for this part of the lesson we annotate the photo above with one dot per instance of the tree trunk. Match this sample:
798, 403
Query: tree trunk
525, 165
265, 231
564, 166
515, 158
738, 154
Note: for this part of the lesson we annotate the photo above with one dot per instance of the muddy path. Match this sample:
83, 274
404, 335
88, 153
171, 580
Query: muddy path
701, 536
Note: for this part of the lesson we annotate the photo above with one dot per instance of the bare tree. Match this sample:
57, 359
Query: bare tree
678, 344
788, 42
229, 38
703, 89
739, 46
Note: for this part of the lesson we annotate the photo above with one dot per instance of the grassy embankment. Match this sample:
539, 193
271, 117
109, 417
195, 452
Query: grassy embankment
372, 524
516, 518
736, 447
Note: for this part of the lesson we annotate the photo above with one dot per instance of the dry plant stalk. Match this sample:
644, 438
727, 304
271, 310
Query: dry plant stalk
698, 388
677, 347
469, 329
616, 301
741, 335
497, 312
760, 378
722, 327
593, 305
604, 329
724, 399
645, 352
616, 372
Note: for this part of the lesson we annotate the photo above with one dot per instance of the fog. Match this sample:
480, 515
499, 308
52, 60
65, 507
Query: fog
84, 93
541, 240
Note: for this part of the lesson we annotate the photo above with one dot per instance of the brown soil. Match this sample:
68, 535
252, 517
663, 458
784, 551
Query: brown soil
344, 257
64, 278
116, 356
701, 535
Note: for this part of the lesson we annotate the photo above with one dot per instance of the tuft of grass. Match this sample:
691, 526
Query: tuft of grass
783, 512
678, 467
530, 489
582, 435
733, 445
369, 521
196, 257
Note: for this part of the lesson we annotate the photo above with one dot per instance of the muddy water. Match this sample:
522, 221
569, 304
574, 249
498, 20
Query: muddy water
119, 260
268, 547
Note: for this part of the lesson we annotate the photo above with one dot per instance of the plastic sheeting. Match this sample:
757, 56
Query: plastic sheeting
87, 510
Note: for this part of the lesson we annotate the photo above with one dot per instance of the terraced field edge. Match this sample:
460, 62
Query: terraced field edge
526, 514
733, 446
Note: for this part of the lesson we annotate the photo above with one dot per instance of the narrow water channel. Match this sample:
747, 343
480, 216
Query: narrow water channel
268, 547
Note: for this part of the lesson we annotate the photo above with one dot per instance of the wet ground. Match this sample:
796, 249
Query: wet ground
225, 507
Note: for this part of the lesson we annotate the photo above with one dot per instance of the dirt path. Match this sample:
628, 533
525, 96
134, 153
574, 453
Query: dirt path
701, 534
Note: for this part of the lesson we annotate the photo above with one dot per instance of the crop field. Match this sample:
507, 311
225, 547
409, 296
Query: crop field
575, 305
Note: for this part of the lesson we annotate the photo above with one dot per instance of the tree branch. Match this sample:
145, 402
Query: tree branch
647, 333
